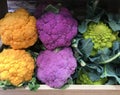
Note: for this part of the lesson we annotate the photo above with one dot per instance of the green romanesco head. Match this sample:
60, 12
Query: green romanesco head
102, 36
83, 78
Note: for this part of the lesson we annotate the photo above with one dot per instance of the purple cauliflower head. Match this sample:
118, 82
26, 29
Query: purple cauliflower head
55, 67
57, 29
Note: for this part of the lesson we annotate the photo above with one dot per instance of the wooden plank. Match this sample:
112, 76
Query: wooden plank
72, 90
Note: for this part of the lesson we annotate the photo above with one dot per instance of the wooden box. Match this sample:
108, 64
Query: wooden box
72, 89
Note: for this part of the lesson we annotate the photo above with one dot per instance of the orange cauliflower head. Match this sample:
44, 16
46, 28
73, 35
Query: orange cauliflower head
16, 66
18, 29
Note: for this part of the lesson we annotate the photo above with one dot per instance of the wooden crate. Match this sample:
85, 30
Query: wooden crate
72, 89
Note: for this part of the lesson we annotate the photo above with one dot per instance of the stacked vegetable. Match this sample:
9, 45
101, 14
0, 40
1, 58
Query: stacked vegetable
17, 30
56, 30
97, 48
54, 65
56, 51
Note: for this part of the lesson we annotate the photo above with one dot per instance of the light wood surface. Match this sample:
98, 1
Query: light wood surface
72, 90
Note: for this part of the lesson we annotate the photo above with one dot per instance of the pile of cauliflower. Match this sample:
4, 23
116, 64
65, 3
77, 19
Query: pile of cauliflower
57, 63
59, 60
19, 31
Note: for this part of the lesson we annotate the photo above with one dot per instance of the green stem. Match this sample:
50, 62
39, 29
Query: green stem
82, 63
111, 59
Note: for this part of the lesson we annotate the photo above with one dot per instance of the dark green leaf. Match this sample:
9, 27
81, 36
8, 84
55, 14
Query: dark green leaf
65, 86
114, 22
111, 58
33, 85
116, 47
83, 27
114, 25
109, 71
86, 47
6, 85
94, 76
94, 59
69, 82
104, 54
96, 67
94, 71
104, 51
111, 81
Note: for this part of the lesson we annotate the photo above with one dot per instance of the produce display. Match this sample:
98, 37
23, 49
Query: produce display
57, 47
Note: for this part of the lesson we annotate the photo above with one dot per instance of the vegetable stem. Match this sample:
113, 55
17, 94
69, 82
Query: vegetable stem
111, 59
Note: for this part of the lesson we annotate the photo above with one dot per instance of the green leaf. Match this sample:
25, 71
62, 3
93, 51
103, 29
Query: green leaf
86, 47
94, 76
65, 86
104, 51
69, 82
83, 27
96, 67
111, 81
96, 18
109, 71
52, 8
6, 85
116, 47
93, 71
114, 25
33, 85
112, 58
114, 22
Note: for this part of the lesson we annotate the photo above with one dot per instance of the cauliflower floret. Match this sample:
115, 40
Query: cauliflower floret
101, 35
18, 29
55, 67
16, 66
56, 30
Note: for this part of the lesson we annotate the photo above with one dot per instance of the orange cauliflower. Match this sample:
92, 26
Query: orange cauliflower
18, 29
16, 66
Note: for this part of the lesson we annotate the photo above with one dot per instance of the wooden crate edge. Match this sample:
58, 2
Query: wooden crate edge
71, 90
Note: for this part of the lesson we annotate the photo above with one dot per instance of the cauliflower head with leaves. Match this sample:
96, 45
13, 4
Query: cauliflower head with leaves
83, 78
101, 35
57, 29
56, 67
16, 66
18, 29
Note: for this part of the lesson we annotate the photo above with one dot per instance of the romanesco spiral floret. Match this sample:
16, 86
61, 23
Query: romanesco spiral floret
101, 35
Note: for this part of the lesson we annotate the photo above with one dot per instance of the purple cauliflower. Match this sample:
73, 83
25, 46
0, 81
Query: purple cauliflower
57, 29
55, 67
